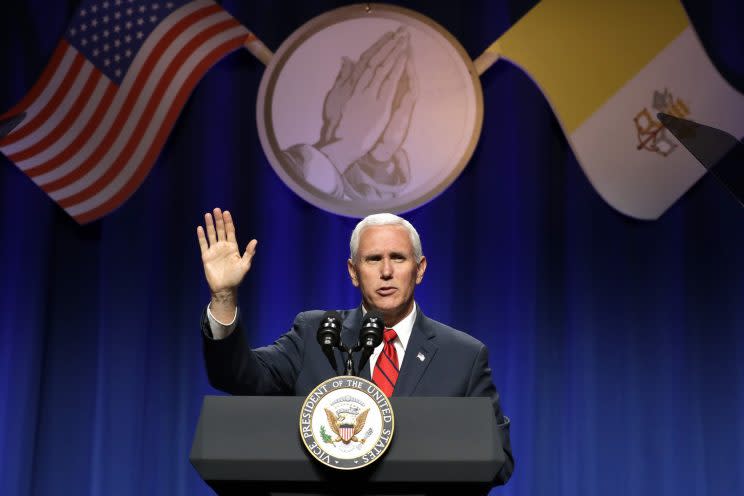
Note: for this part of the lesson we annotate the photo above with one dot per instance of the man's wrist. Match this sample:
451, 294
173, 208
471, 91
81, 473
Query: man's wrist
223, 305
220, 329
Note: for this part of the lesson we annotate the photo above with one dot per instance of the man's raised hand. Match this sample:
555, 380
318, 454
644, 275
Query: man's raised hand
224, 266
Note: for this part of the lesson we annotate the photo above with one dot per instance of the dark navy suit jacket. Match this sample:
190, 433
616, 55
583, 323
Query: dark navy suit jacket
455, 364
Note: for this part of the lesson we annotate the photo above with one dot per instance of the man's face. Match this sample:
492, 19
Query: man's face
386, 272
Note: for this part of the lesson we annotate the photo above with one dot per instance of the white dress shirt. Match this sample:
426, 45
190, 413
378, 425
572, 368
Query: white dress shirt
220, 330
403, 330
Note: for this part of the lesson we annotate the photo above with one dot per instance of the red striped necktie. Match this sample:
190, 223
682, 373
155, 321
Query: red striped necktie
386, 368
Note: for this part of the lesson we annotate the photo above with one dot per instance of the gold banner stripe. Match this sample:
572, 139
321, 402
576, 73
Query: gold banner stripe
581, 52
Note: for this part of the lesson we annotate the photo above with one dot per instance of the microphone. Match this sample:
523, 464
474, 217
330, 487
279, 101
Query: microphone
370, 335
329, 335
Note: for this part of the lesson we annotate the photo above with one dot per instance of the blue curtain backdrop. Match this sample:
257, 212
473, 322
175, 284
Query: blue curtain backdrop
618, 345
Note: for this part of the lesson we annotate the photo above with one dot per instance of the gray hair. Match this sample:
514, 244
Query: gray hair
385, 220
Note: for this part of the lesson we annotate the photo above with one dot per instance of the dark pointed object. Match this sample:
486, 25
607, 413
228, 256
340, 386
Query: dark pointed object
719, 152
9, 123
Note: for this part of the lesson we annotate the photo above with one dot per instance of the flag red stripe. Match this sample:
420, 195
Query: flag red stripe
79, 140
42, 82
149, 111
146, 164
63, 126
134, 93
51, 106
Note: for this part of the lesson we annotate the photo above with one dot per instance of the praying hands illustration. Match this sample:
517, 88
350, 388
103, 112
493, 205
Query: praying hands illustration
366, 117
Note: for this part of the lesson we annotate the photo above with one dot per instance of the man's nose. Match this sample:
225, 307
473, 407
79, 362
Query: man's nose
386, 271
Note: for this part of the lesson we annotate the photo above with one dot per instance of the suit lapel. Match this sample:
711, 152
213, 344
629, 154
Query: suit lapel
365, 372
419, 353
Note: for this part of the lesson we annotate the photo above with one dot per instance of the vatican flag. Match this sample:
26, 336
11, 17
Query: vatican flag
607, 69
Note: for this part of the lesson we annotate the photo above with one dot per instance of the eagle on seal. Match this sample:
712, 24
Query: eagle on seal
346, 429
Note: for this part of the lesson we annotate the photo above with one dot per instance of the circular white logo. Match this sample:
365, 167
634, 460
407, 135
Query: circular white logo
346, 422
369, 108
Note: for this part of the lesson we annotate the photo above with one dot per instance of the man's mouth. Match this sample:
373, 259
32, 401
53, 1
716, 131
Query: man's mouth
386, 291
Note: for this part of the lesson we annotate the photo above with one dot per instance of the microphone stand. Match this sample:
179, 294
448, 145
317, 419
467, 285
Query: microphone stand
349, 361
370, 335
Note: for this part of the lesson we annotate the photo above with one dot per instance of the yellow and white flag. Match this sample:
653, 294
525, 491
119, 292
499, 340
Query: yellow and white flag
607, 69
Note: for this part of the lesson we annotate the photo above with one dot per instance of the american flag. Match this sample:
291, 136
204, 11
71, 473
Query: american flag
101, 111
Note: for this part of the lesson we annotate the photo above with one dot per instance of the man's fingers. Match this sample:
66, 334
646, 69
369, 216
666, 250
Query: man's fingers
209, 223
203, 246
250, 251
229, 227
220, 225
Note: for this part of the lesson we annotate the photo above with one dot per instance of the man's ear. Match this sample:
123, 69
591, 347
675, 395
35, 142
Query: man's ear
420, 270
352, 273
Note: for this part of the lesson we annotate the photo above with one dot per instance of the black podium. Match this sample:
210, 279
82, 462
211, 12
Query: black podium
251, 446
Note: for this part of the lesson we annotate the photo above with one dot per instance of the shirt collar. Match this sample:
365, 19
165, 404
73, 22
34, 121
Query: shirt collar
404, 328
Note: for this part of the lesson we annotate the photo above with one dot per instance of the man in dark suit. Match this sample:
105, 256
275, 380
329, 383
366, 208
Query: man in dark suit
418, 356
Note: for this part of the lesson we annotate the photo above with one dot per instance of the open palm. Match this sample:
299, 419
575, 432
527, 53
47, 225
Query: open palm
224, 266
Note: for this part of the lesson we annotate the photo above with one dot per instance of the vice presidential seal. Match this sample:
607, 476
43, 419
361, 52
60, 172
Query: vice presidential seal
346, 422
